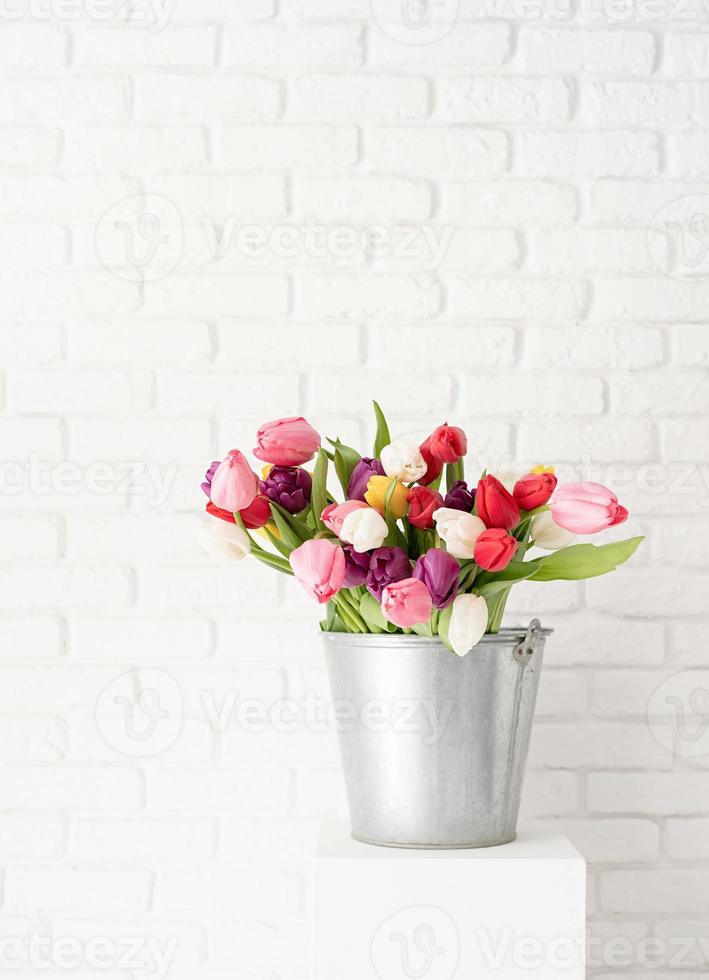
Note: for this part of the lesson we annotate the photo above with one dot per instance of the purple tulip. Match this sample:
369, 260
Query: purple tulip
207, 485
288, 486
387, 565
440, 572
356, 567
361, 475
460, 498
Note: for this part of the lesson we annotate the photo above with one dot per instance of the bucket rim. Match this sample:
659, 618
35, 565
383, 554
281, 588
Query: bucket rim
506, 636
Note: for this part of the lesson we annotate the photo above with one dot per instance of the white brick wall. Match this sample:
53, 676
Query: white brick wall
553, 326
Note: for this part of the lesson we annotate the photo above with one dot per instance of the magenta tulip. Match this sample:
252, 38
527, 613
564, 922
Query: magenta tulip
319, 566
287, 442
585, 508
234, 484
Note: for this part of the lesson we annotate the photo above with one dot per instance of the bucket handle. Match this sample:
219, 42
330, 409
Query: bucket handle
526, 648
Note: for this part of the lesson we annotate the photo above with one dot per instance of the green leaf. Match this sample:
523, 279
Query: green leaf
278, 544
371, 612
444, 621
423, 629
580, 561
490, 583
273, 561
318, 499
327, 624
345, 459
382, 437
298, 527
288, 536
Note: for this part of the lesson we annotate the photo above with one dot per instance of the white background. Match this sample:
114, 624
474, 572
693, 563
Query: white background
559, 328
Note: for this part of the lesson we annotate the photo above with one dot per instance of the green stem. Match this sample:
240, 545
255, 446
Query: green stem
353, 611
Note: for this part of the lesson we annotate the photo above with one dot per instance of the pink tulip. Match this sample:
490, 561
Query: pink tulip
319, 566
234, 484
334, 515
287, 442
407, 602
585, 508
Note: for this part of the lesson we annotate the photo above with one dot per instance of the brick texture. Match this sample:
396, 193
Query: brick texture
247, 209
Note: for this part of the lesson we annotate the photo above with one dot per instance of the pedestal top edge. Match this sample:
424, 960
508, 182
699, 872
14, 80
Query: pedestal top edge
335, 842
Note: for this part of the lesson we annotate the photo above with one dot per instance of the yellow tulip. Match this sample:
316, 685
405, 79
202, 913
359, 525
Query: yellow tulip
377, 490
269, 527
542, 469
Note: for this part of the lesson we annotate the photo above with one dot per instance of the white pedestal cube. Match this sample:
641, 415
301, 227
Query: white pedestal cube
502, 913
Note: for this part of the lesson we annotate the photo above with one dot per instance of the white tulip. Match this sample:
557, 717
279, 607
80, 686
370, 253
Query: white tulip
468, 623
459, 530
402, 459
364, 529
223, 540
547, 534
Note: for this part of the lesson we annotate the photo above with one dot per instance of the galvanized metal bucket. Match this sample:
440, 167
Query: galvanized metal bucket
434, 746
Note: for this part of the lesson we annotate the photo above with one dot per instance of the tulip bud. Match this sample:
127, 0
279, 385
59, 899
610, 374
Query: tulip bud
319, 566
441, 573
448, 443
334, 515
459, 531
547, 534
289, 486
407, 603
433, 464
422, 503
585, 508
496, 505
534, 490
356, 567
402, 459
460, 498
386, 565
364, 529
495, 549
377, 490
287, 442
223, 540
468, 623
365, 469
234, 484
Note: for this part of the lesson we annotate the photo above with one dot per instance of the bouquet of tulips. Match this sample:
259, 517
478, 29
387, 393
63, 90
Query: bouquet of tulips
413, 547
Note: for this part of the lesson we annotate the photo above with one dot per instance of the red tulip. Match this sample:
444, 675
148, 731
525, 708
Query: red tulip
448, 443
495, 549
496, 506
256, 515
534, 490
434, 465
422, 503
